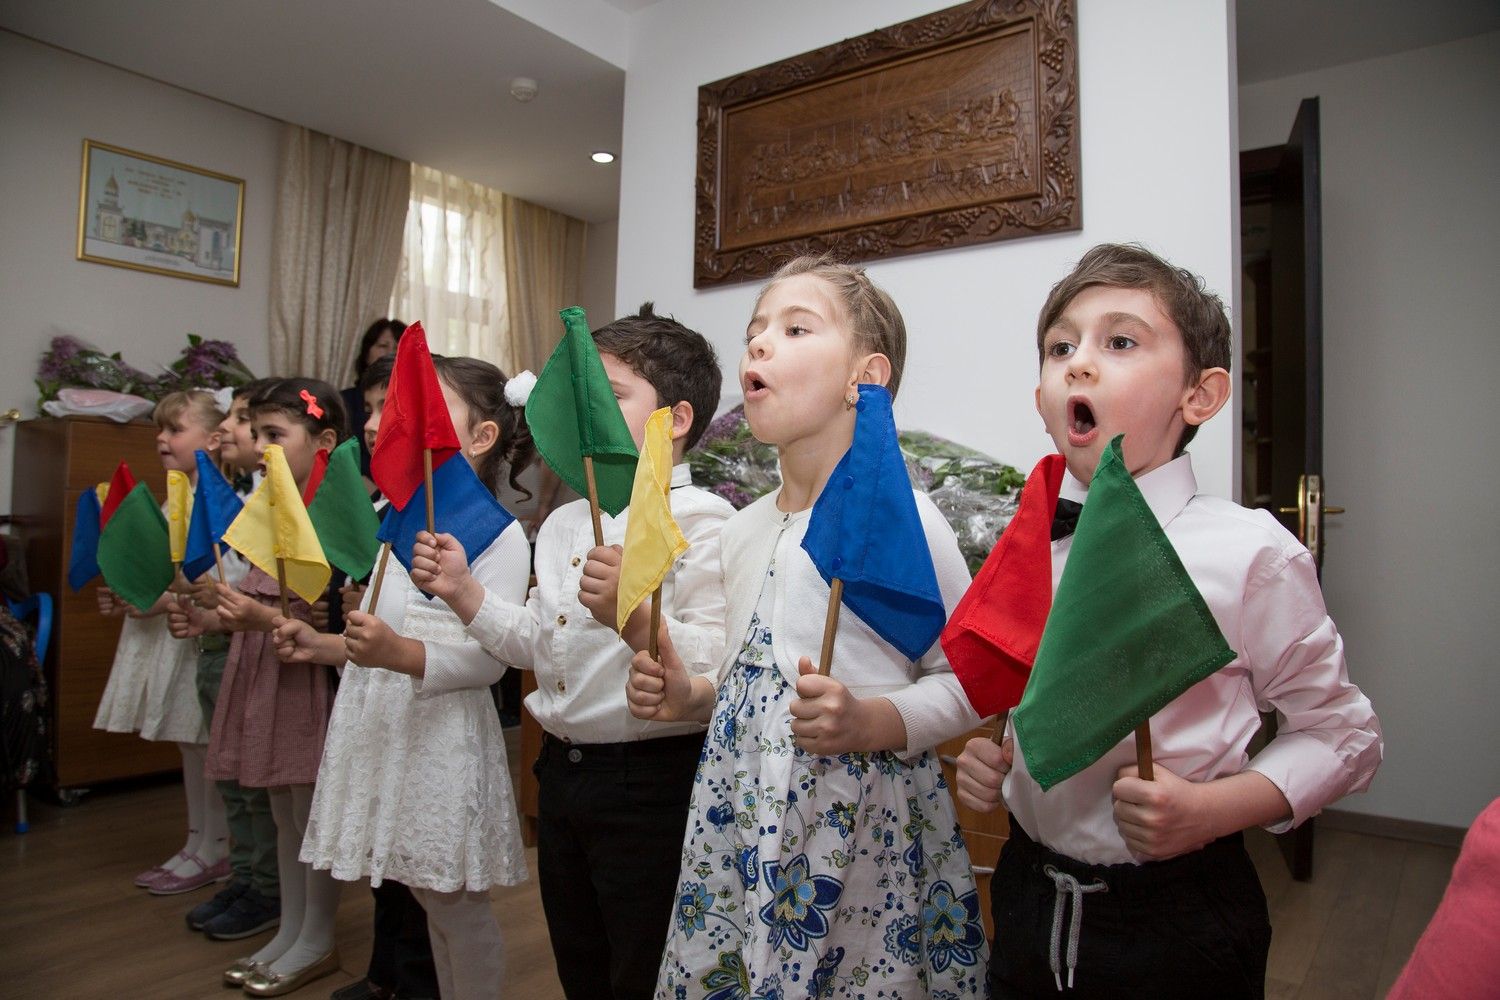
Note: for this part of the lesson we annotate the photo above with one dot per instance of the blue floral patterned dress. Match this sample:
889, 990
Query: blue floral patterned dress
808, 876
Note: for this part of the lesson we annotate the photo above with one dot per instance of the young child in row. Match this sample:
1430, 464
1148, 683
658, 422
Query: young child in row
271, 717
152, 687
414, 784
823, 856
614, 790
250, 903
1165, 901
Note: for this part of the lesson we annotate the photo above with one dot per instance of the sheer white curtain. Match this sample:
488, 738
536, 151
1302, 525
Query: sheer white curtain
452, 274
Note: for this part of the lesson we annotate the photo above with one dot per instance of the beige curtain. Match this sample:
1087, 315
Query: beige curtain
543, 262
340, 209
453, 266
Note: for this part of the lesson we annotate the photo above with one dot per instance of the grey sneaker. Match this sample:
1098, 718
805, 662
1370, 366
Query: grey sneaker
250, 914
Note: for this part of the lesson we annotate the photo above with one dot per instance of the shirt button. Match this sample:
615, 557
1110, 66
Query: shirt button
575, 755
576, 560
562, 687
562, 620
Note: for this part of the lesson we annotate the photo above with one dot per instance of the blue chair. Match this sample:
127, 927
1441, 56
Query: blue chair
41, 606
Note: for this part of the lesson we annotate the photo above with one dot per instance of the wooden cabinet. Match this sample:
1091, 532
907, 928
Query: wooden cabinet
55, 460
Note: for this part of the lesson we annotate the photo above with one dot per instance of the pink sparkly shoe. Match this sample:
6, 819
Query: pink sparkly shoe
151, 876
171, 884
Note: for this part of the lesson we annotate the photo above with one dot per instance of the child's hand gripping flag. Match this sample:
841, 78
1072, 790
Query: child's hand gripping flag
274, 532
179, 509
414, 421
866, 539
134, 546
1127, 633
83, 554
342, 514
577, 425
652, 539
215, 506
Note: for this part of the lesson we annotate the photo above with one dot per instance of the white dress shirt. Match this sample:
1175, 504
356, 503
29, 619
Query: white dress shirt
1262, 587
582, 666
928, 697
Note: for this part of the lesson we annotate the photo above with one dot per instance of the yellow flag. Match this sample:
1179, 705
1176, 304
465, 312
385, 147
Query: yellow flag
102, 492
274, 525
179, 510
652, 539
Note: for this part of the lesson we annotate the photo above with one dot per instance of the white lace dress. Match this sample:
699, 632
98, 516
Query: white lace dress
153, 685
414, 784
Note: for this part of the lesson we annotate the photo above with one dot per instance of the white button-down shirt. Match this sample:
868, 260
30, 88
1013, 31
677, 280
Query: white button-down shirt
582, 666
1262, 587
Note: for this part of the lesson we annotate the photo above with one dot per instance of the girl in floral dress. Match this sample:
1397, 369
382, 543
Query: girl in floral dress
822, 855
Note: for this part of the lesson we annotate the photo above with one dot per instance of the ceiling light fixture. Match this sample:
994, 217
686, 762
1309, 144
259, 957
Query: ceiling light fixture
523, 88
602, 156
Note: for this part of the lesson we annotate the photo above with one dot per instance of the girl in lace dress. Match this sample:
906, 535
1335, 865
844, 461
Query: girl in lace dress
414, 784
822, 856
270, 718
152, 687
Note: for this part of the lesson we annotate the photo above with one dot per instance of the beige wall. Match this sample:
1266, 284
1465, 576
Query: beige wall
50, 101
1411, 250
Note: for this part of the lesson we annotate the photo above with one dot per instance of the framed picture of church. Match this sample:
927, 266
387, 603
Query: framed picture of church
151, 214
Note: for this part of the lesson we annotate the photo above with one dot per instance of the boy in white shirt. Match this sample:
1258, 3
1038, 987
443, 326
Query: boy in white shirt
614, 790
1165, 901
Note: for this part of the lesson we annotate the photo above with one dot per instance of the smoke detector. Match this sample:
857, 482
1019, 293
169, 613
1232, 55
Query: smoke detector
523, 88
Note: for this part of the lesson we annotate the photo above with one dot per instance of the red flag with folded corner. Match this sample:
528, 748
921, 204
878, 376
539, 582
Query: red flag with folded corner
315, 477
120, 485
415, 418
994, 633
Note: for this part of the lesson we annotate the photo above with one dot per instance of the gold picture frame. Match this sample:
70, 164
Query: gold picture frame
148, 213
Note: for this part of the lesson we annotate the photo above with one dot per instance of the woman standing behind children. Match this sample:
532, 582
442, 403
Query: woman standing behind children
822, 854
414, 785
271, 717
152, 688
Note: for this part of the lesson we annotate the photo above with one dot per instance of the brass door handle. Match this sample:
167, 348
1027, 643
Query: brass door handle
1332, 510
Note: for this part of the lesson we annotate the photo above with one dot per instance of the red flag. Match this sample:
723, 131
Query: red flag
993, 636
415, 418
120, 486
315, 478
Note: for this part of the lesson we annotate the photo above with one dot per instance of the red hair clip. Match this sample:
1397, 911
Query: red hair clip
313, 409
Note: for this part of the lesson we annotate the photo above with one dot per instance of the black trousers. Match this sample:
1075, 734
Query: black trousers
401, 954
610, 823
1192, 927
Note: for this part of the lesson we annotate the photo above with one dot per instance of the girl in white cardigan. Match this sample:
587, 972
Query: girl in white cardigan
822, 855
413, 785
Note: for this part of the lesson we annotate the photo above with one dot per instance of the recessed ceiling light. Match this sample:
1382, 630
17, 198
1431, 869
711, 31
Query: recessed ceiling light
602, 156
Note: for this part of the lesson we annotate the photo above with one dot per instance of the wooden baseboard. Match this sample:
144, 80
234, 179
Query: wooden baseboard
1390, 826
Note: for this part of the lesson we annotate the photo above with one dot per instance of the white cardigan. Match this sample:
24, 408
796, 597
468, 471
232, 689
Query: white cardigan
925, 692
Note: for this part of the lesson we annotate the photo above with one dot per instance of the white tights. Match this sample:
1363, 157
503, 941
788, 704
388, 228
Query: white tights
309, 897
466, 943
208, 829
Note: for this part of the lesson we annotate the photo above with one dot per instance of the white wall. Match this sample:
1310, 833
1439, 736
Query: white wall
50, 101
596, 288
1411, 249
1158, 166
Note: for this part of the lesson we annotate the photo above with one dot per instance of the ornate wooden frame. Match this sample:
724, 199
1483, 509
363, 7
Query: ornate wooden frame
972, 109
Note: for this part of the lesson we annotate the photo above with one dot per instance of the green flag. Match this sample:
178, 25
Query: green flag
1127, 633
572, 412
343, 516
134, 550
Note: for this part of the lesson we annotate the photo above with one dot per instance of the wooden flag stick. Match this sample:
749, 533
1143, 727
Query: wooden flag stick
653, 644
588, 475
385, 553
286, 607
219, 562
830, 626
1143, 751
427, 481
998, 736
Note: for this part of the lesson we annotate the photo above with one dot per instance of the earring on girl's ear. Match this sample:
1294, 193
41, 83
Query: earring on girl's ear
851, 398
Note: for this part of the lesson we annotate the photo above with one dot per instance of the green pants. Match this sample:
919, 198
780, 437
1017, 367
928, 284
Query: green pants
252, 831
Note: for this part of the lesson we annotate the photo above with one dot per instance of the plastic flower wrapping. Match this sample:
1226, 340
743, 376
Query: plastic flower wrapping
203, 364
977, 494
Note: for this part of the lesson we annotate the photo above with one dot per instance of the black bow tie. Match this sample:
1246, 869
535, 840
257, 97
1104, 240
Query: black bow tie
1065, 519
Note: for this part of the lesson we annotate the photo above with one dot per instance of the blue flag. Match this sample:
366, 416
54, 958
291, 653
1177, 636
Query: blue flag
462, 507
215, 506
83, 561
865, 530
